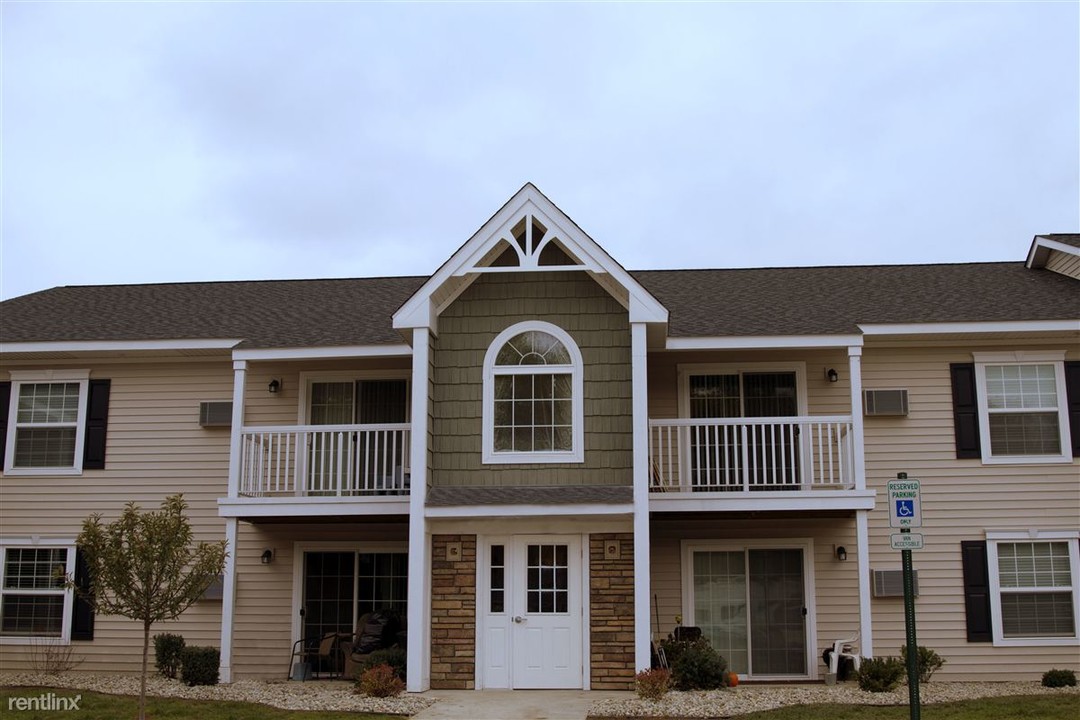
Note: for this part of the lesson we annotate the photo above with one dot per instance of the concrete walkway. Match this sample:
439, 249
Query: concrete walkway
513, 704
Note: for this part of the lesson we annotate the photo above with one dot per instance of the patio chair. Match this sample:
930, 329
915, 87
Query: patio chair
311, 650
844, 648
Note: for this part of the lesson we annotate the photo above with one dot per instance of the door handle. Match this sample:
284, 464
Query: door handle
518, 619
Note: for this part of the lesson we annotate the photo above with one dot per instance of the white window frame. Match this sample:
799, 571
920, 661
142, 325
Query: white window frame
35, 543
1055, 358
577, 452
806, 544
992, 540
35, 377
686, 370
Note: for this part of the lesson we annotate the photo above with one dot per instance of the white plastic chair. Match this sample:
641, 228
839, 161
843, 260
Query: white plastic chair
845, 648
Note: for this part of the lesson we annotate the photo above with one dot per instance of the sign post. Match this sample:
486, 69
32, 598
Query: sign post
905, 512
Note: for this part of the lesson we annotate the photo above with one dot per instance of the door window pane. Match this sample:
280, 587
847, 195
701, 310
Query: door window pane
547, 579
720, 604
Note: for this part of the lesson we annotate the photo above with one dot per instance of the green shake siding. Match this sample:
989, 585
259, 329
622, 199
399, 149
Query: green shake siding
601, 329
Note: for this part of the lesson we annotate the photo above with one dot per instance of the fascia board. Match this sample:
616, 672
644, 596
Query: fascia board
763, 341
1017, 326
116, 345
324, 353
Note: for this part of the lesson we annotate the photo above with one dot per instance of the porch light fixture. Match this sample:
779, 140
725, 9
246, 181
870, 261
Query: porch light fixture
841, 553
274, 387
831, 375
267, 556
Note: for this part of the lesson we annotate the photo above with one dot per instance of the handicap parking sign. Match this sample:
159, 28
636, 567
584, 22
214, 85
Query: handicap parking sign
905, 505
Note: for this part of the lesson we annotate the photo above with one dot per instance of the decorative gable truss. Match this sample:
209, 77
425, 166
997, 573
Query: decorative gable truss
528, 234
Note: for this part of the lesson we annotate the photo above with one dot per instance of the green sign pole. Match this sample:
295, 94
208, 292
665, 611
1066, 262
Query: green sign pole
909, 626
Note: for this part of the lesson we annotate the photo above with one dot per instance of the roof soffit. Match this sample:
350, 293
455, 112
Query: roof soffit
497, 234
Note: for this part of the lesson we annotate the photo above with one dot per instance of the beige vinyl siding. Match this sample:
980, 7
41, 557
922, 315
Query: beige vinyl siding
155, 448
601, 329
1064, 263
822, 396
962, 500
263, 630
836, 584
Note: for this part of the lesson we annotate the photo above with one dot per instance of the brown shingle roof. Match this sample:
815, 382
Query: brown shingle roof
325, 313
827, 300
265, 314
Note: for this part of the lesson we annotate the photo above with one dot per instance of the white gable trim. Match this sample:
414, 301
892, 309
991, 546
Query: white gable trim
418, 311
948, 328
1040, 251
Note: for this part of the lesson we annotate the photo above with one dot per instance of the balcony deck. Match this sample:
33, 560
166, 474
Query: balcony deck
777, 463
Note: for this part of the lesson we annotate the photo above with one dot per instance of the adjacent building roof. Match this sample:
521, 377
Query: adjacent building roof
709, 303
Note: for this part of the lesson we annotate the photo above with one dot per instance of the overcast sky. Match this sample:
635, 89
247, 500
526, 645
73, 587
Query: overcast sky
147, 142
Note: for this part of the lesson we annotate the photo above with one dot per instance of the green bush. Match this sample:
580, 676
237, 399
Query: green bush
380, 681
881, 674
929, 662
199, 665
167, 649
1059, 678
394, 657
695, 665
652, 684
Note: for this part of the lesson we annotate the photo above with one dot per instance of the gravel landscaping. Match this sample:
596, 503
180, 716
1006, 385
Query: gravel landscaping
285, 694
749, 698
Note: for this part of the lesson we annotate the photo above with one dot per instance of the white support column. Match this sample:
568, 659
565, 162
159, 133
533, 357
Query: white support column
642, 576
866, 627
228, 589
419, 611
857, 448
239, 383
228, 600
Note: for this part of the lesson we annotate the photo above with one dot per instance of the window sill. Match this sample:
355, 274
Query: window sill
493, 458
1028, 460
1037, 642
13, 472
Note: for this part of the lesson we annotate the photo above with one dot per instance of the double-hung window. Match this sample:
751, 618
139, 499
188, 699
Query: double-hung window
47, 422
533, 396
1035, 590
1023, 414
34, 602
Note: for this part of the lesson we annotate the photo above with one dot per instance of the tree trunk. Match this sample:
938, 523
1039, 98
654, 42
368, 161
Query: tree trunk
142, 683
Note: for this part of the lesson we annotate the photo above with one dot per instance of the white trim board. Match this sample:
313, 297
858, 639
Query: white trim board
763, 342
765, 501
1040, 251
116, 346
312, 506
1017, 326
531, 511
326, 353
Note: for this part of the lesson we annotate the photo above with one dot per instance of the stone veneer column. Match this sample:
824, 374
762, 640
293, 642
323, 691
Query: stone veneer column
453, 614
611, 612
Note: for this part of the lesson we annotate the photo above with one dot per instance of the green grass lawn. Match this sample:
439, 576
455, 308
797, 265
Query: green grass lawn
95, 706
1040, 707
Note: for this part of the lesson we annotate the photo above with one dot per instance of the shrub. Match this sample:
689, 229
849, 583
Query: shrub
394, 657
1059, 678
199, 665
380, 681
697, 666
928, 662
881, 674
167, 649
48, 655
652, 684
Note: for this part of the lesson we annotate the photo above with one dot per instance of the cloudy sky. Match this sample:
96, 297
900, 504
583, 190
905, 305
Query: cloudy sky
160, 142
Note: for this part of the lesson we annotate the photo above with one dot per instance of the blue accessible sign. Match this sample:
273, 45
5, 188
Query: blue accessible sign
905, 507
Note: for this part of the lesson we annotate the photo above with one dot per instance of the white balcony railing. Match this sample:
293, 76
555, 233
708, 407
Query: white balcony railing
747, 454
324, 460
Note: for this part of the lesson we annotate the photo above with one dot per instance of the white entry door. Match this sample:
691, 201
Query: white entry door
545, 612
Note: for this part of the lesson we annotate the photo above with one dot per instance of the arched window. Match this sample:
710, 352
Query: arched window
533, 396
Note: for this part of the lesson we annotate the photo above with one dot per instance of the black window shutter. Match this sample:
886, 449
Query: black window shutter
965, 410
97, 422
82, 612
5, 403
976, 591
1072, 394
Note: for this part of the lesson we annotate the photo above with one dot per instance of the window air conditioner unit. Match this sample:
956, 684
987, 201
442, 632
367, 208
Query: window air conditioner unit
215, 413
885, 403
890, 583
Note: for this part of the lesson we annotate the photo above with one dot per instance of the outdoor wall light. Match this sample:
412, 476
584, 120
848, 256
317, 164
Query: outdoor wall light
831, 375
841, 553
267, 556
274, 387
